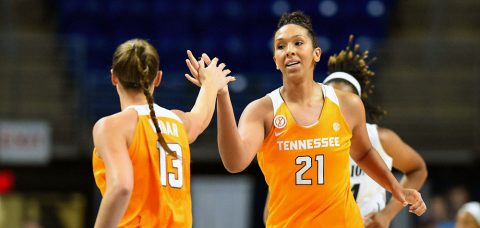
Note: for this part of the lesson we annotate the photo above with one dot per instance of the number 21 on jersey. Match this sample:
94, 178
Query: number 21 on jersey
306, 161
175, 181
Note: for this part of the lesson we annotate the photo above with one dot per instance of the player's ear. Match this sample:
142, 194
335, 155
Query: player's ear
158, 78
317, 52
276, 65
114, 78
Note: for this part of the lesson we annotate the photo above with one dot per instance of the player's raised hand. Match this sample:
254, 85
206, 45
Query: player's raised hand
194, 65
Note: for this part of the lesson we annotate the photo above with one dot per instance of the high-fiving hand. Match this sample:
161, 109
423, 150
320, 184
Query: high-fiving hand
197, 69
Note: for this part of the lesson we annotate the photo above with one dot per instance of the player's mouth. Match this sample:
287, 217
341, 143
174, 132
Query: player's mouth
291, 64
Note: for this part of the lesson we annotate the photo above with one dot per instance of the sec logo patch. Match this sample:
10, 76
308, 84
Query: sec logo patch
336, 127
280, 121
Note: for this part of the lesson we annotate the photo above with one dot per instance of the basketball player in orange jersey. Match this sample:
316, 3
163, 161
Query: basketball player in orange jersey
302, 133
349, 72
141, 160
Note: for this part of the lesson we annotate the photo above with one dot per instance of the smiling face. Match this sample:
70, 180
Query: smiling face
294, 54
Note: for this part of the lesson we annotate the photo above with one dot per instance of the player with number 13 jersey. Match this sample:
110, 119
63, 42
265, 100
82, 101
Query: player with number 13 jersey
162, 183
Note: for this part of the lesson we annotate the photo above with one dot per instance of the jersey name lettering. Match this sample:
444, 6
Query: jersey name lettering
166, 127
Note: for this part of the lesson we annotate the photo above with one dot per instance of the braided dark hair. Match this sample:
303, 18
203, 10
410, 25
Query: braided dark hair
136, 62
352, 61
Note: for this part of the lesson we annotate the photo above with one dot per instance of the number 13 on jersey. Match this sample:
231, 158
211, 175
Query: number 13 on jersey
306, 161
175, 181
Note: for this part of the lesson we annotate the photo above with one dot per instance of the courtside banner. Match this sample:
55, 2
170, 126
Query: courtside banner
25, 142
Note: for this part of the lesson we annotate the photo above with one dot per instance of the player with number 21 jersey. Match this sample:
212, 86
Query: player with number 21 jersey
307, 168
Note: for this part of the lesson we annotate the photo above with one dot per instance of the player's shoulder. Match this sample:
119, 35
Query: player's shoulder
174, 114
348, 99
259, 108
351, 107
118, 122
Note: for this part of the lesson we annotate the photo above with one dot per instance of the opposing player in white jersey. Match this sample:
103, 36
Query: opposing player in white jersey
348, 71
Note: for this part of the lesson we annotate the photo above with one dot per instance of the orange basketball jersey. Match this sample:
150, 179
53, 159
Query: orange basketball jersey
161, 187
307, 168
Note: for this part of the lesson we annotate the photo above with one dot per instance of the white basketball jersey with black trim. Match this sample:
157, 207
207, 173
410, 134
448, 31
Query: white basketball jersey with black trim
370, 196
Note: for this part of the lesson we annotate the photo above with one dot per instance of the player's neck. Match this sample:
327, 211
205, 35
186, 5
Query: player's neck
132, 99
302, 92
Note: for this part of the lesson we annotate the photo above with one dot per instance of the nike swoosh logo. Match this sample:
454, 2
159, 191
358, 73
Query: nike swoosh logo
279, 133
